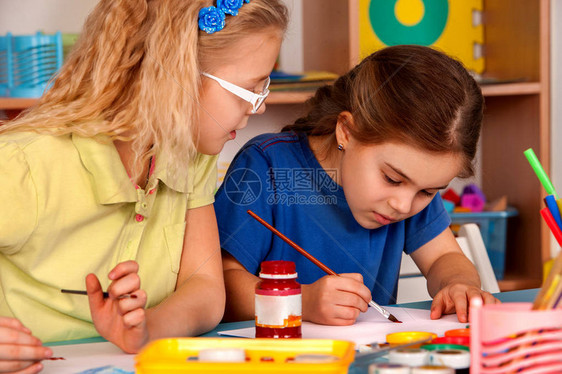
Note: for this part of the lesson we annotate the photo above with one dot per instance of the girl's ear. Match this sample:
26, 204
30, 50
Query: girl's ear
345, 122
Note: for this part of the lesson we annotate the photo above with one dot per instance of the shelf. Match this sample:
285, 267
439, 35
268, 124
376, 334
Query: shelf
512, 284
16, 103
511, 89
488, 90
297, 97
288, 97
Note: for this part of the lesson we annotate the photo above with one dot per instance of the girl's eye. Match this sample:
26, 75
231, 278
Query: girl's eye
426, 193
391, 181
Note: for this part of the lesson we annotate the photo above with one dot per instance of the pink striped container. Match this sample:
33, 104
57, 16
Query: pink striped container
512, 338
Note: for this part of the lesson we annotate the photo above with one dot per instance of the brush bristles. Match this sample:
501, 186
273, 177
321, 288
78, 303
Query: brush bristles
393, 319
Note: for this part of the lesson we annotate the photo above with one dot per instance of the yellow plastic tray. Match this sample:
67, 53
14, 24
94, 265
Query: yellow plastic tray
178, 356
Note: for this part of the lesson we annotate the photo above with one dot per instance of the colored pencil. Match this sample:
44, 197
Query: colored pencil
553, 294
552, 206
541, 174
549, 219
559, 203
317, 262
550, 292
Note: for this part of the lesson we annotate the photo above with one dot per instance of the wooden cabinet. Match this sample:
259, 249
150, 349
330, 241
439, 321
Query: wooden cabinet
516, 45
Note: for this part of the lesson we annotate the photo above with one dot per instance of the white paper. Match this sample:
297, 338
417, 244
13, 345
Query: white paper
80, 357
371, 326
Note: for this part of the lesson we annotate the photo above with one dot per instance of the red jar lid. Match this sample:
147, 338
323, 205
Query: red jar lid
461, 340
458, 332
278, 268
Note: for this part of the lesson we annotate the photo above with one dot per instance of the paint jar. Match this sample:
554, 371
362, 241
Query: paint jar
454, 358
278, 301
431, 369
409, 356
389, 368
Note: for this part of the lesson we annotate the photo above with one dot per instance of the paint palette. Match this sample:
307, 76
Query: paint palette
180, 355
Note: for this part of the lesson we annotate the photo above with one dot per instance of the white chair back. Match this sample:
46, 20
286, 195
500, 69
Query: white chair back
412, 285
479, 256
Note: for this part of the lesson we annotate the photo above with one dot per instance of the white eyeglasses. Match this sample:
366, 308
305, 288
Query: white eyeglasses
256, 99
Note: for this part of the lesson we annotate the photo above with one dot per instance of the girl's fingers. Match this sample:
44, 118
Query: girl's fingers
346, 313
350, 300
122, 269
437, 306
134, 318
489, 298
357, 276
127, 284
9, 336
352, 283
461, 307
14, 352
20, 367
95, 294
13, 323
136, 301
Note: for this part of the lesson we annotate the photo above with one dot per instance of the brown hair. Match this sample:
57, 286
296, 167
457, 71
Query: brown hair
403, 93
136, 67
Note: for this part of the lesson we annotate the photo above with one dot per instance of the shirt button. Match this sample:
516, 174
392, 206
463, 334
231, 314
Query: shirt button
139, 217
144, 205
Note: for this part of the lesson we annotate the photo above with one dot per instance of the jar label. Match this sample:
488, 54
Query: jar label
278, 311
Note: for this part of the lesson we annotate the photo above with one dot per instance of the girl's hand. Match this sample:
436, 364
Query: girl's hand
335, 300
455, 298
120, 318
20, 352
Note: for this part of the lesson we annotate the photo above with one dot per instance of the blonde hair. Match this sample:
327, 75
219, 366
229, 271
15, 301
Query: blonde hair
135, 70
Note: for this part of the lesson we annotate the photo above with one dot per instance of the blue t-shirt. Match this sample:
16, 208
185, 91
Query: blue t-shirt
278, 177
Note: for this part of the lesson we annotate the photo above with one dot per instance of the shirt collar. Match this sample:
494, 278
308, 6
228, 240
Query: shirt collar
177, 180
101, 159
110, 179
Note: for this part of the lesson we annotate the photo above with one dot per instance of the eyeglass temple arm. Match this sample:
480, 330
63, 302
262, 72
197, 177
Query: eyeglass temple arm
242, 93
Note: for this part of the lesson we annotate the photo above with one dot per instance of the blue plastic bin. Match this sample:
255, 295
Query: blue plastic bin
5, 64
27, 63
493, 227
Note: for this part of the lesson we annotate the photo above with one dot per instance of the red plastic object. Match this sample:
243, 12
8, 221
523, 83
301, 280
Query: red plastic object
451, 195
458, 332
460, 340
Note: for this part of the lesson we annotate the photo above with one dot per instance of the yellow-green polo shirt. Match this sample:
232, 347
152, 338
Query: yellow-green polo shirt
69, 209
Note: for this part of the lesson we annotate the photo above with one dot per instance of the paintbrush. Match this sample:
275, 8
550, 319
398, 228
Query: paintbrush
317, 262
105, 294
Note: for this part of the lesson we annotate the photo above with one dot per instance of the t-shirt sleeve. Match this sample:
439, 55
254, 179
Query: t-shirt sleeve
18, 216
245, 188
204, 181
426, 225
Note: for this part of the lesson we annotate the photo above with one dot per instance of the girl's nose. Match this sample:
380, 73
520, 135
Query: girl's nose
401, 203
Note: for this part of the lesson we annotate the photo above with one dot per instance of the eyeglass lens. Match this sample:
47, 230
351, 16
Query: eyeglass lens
264, 92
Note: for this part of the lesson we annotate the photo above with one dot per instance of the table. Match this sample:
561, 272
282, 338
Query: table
108, 354
512, 296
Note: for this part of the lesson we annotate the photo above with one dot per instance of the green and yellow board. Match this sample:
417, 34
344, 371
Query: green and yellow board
446, 25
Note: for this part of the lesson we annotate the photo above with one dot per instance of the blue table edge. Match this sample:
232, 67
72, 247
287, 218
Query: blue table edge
505, 297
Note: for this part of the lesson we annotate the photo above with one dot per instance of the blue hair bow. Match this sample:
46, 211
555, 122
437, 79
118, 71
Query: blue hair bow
212, 18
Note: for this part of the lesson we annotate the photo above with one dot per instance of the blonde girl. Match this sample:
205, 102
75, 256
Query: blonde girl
110, 178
